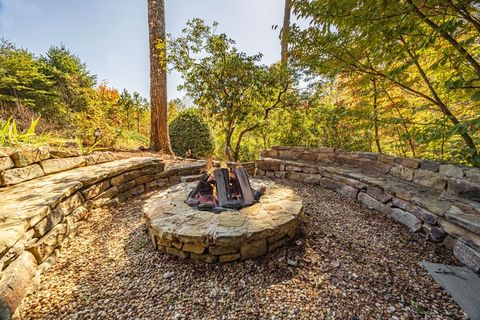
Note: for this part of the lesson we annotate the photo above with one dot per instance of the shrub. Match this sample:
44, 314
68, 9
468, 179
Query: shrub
10, 136
190, 135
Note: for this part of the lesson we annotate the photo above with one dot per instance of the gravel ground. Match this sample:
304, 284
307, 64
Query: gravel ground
346, 263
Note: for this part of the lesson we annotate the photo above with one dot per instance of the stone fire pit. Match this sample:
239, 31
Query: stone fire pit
187, 232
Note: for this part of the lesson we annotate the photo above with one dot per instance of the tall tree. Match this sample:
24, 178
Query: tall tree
286, 30
159, 138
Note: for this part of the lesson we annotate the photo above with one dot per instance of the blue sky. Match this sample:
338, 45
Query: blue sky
111, 36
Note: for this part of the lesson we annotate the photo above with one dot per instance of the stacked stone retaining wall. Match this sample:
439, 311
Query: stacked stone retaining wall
440, 199
17, 166
39, 217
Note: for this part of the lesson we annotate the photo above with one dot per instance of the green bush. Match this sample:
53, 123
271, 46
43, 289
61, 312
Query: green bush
190, 135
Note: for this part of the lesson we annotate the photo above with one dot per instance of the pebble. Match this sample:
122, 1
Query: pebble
376, 274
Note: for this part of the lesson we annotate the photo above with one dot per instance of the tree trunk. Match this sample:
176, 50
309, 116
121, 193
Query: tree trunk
286, 30
139, 114
159, 138
375, 116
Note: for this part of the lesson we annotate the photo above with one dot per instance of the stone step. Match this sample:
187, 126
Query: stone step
191, 178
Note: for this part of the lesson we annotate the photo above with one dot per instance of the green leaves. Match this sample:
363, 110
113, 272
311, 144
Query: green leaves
11, 136
475, 96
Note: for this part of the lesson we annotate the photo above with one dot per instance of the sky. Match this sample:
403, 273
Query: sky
111, 36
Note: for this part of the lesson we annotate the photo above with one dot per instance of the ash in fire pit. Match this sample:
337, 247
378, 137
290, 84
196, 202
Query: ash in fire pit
224, 189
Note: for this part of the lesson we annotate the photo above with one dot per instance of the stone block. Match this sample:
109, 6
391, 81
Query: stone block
47, 223
45, 245
166, 174
312, 178
6, 151
25, 157
372, 203
280, 174
308, 156
99, 157
80, 213
177, 252
58, 165
419, 212
69, 204
435, 233
127, 186
467, 255
96, 189
450, 170
379, 194
203, 257
430, 165
407, 219
229, 257
109, 193
308, 169
374, 167
269, 153
473, 174
158, 183
105, 197
408, 162
65, 153
164, 242
196, 248
323, 150
270, 173
386, 159
253, 249
279, 243
287, 154
293, 175
339, 187
136, 191
17, 175
11, 231
221, 250
467, 220
348, 181
348, 160
326, 157
17, 249
144, 179
433, 204
464, 188
429, 179
191, 178
470, 238
293, 168
174, 179
14, 283
6, 163
402, 172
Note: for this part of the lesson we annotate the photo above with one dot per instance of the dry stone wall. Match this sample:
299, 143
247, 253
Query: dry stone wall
440, 199
38, 217
17, 166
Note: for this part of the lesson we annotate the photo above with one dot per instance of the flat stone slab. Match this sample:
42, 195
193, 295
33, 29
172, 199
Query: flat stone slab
187, 232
